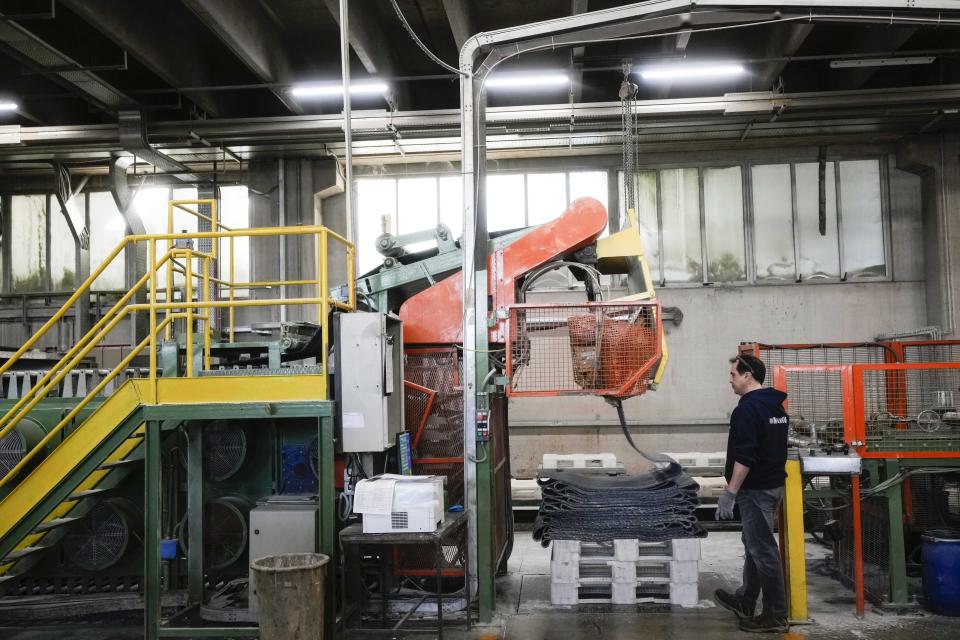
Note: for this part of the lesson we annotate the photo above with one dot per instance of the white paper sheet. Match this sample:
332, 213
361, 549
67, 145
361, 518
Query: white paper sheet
374, 496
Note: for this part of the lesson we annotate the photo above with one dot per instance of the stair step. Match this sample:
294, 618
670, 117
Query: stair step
13, 556
53, 524
136, 435
79, 495
118, 463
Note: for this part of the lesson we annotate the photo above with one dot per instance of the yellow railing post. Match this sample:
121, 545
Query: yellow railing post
324, 309
231, 287
794, 551
206, 323
188, 298
168, 333
153, 319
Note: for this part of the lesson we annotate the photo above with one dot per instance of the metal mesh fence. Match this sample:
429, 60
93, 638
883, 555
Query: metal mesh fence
593, 348
876, 555
943, 351
815, 405
935, 500
911, 409
774, 355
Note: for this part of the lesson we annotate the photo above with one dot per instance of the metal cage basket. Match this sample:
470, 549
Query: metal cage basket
595, 348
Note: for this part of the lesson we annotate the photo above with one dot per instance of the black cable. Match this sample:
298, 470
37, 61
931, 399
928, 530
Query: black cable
419, 43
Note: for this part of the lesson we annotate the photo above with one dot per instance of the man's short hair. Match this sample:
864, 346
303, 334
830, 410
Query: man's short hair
752, 365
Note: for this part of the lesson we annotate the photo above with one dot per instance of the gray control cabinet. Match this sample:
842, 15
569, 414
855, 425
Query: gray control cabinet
369, 380
278, 527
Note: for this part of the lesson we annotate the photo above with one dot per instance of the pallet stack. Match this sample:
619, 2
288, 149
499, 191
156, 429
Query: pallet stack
625, 572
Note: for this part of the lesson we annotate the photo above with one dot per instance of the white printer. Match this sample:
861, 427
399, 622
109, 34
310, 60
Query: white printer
400, 504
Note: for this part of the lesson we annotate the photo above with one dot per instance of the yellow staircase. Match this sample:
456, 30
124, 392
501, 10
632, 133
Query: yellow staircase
97, 453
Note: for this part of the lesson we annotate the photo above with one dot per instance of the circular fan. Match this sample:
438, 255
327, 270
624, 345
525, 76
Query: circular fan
100, 539
224, 531
12, 450
224, 450
18, 442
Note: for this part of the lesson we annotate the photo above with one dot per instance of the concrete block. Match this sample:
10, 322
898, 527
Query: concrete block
525, 490
684, 572
648, 549
564, 571
623, 593
684, 549
684, 595
623, 572
565, 547
579, 461
626, 550
564, 593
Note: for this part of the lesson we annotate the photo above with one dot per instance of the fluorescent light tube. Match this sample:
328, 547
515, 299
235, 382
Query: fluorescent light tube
679, 72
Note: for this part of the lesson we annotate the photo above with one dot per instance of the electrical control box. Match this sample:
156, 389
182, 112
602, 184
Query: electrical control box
281, 524
369, 380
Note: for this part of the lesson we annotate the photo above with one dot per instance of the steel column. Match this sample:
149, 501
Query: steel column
326, 518
194, 513
347, 122
151, 543
895, 548
857, 545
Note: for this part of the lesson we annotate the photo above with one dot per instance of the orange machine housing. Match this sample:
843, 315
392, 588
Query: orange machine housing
434, 316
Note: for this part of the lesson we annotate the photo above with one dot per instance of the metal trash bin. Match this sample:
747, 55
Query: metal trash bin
290, 592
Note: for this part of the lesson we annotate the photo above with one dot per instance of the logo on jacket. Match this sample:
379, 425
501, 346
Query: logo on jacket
783, 420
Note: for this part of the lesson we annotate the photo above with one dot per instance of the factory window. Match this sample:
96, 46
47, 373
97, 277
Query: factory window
235, 213
789, 239
514, 201
107, 228
63, 249
28, 246
680, 213
723, 214
773, 222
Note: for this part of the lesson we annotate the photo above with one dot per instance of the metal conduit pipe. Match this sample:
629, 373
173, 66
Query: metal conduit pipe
647, 19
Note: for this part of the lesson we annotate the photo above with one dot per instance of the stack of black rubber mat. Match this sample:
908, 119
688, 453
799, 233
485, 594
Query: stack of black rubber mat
655, 506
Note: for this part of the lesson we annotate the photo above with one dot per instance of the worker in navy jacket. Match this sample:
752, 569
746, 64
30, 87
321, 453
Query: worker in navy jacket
755, 474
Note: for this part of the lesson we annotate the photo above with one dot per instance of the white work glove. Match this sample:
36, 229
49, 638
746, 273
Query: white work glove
725, 505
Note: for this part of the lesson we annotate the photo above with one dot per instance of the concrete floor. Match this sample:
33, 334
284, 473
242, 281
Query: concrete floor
524, 611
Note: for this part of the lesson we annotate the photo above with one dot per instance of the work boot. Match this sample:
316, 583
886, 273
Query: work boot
731, 602
764, 623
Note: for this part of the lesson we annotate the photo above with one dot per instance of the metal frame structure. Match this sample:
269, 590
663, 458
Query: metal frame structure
479, 57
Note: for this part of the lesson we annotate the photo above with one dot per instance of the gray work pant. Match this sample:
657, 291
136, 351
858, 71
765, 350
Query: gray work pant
761, 567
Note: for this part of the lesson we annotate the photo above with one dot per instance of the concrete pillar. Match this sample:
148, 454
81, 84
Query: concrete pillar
297, 192
936, 159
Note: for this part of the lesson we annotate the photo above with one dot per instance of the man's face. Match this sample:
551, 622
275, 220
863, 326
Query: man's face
739, 381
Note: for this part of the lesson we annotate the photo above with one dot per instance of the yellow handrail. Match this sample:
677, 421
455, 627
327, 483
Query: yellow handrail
80, 406
185, 309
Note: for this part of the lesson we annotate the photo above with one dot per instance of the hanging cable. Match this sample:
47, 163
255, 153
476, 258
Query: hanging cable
419, 42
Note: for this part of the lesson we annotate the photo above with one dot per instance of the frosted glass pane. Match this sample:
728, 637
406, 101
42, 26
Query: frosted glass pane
451, 204
773, 222
591, 184
417, 209
505, 202
62, 247
28, 247
107, 229
646, 189
546, 197
151, 205
183, 219
235, 213
862, 218
819, 254
680, 204
376, 215
723, 212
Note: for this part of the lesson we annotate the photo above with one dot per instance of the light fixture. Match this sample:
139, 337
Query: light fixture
881, 62
527, 80
8, 106
680, 72
329, 90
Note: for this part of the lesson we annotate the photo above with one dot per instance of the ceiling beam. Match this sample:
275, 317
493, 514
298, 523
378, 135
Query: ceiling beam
783, 42
37, 54
370, 44
675, 47
880, 39
170, 53
461, 19
253, 36
576, 56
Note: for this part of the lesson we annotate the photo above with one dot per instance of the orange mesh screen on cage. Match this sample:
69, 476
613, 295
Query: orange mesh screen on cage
595, 348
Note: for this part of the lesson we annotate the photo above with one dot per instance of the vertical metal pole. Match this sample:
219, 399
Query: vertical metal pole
793, 550
282, 240
151, 570
326, 519
194, 513
857, 545
347, 122
897, 556
153, 320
